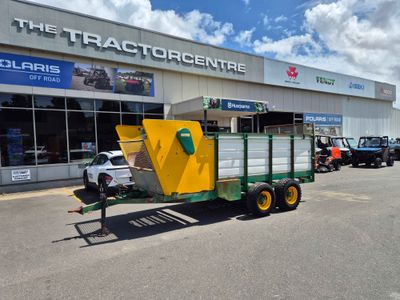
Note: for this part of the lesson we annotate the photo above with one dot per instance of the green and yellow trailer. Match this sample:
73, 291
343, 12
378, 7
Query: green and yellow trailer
174, 161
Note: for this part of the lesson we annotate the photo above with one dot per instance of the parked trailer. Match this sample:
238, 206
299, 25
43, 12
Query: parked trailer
173, 161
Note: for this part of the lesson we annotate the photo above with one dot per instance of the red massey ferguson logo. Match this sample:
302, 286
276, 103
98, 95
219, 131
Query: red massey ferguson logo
291, 73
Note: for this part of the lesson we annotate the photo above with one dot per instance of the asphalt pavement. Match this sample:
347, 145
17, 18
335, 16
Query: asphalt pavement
343, 242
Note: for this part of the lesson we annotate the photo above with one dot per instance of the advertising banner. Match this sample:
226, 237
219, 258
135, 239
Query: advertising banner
35, 71
385, 91
134, 82
50, 73
92, 78
301, 77
212, 103
323, 119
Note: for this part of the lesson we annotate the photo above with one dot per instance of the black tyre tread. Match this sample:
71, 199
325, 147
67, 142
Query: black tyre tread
378, 162
280, 192
390, 161
252, 197
86, 181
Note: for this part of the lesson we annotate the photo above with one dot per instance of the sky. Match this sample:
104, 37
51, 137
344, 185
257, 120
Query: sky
355, 37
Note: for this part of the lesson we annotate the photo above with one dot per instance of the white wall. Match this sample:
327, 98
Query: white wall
370, 117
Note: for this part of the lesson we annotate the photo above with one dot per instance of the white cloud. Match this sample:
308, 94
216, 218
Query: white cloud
287, 46
192, 25
246, 2
281, 18
266, 20
244, 37
358, 37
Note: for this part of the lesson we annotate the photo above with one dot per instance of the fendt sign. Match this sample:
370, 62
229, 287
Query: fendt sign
132, 48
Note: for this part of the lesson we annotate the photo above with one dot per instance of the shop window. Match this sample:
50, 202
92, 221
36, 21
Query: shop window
132, 107
49, 102
16, 137
80, 104
153, 108
82, 137
132, 119
15, 100
107, 105
51, 142
107, 137
151, 116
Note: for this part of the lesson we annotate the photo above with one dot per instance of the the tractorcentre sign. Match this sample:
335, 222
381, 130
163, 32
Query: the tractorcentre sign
131, 47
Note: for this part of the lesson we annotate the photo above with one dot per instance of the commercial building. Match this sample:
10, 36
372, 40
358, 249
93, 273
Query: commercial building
67, 79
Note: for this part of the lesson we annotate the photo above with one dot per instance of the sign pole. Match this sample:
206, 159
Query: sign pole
258, 123
205, 122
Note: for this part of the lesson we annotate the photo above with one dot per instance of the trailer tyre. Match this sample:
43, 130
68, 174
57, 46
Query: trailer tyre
86, 181
288, 194
260, 199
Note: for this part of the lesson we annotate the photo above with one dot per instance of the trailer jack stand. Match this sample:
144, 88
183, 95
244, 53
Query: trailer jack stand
104, 231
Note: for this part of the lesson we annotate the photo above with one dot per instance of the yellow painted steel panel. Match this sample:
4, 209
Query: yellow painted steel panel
177, 171
129, 133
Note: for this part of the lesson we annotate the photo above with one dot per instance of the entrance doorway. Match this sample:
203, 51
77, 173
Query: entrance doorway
245, 124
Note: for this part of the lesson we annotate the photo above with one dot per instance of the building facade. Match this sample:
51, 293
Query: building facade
67, 79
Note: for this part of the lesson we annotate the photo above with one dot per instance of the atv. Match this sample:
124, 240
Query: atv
373, 150
99, 78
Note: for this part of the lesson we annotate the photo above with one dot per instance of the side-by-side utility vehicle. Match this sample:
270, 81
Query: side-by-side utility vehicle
373, 150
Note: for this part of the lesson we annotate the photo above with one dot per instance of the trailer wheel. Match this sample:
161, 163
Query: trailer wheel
260, 199
390, 161
288, 194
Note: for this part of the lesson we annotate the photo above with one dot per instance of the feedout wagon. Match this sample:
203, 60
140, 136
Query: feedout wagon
173, 161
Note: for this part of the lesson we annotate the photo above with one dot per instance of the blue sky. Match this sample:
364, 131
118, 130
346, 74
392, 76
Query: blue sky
355, 37
272, 17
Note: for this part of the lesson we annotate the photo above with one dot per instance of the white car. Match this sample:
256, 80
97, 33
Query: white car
108, 172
